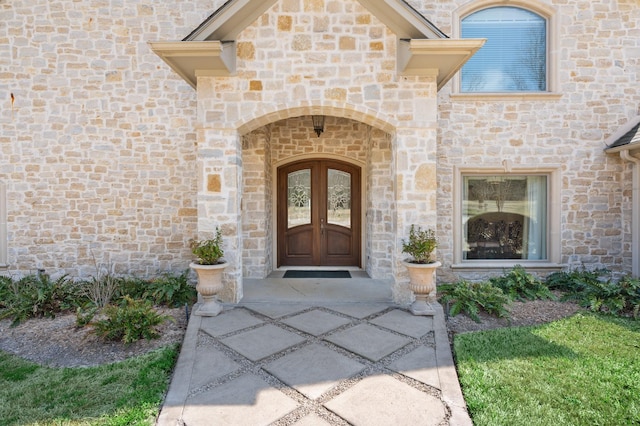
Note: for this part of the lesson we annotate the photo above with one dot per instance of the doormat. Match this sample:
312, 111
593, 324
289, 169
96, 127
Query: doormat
317, 274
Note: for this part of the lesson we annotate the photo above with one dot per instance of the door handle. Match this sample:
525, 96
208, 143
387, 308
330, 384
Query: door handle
322, 226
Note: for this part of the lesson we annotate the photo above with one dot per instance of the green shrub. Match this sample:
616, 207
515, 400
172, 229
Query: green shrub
171, 290
85, 314
521, 285
576, 281
133, 287
616, 298
597, 291
38, 296
131, 321
208, 252
420, 245
6, 288
470, 298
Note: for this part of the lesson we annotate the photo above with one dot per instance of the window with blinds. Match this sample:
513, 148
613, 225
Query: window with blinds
514, 58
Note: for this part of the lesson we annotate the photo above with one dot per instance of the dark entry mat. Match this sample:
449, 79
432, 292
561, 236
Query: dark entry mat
317, 274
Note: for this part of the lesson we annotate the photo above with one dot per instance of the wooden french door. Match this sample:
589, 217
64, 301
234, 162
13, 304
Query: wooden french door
319, 214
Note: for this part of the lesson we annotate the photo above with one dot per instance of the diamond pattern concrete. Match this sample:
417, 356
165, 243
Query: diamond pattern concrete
405, 323
210, 364
277, 311
419, 364
368, 341
261, 342
383, 400
314, 369
247, 400
228, 322
318, 384
360, 310
316, 322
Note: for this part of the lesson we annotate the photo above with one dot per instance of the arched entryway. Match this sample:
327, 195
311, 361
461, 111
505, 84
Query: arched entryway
318, 213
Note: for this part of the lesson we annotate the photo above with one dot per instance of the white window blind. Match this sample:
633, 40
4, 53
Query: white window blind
514, 58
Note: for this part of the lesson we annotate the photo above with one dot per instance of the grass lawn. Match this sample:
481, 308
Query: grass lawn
582, 370
124, 393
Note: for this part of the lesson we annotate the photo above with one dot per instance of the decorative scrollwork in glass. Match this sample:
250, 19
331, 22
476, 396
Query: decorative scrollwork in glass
299, 198
339, 198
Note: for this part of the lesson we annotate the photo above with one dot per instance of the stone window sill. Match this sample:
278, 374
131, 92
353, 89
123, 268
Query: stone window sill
543, 96
481, 266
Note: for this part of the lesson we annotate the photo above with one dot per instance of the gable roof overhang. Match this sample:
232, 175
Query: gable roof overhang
210, 49
626, 138
197, 58
442, 57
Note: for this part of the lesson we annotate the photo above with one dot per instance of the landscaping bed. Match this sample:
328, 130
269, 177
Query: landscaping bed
58, 342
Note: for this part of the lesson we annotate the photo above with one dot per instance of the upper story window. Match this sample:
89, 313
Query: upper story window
515, 55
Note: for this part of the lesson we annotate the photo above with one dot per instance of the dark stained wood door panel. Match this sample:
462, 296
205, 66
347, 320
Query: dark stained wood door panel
319, 214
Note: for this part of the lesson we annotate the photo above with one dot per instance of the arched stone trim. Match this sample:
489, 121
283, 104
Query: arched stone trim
535, 6
313, 156
270, 113
550, 13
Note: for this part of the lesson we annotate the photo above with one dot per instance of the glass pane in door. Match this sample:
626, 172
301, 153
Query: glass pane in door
299, 198
339, 198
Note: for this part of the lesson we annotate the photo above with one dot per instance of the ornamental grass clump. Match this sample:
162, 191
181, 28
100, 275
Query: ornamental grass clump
420, 245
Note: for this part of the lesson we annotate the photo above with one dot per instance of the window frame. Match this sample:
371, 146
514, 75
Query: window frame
553, 218
544, 11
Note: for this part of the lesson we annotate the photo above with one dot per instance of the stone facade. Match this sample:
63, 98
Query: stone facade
98, 138
109, 158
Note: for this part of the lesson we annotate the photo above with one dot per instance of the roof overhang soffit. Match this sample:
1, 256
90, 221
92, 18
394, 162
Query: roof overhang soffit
210, 50
440, 57
191, 59
632, 141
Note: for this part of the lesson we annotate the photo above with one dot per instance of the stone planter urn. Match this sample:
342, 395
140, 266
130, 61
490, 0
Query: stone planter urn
422, 282
209, 285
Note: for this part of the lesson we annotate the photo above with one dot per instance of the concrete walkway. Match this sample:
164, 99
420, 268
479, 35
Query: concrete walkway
315, 352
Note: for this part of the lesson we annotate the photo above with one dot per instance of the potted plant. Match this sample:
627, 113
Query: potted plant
422, 268
209, 266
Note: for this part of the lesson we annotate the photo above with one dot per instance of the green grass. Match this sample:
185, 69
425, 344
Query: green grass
583, 370
123, 393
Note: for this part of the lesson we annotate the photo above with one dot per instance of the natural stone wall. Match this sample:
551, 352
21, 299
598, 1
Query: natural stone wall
334, 59
109, 157
98, 139
598, 69
257, 213
381, 215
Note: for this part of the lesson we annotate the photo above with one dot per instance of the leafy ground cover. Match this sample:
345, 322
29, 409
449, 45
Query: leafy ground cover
118, 308
124, 393
582, 370
598, 291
